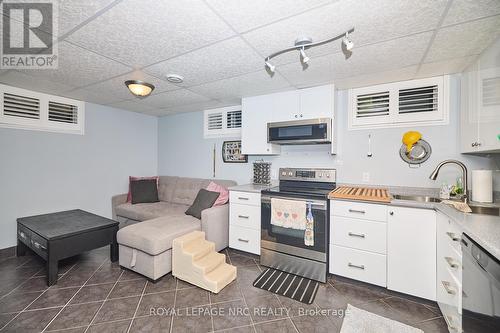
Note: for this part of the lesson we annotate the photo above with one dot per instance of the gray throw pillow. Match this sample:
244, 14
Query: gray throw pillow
144, 191
204, 199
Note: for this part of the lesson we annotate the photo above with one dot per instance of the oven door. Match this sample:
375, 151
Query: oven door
291, 241
300, 131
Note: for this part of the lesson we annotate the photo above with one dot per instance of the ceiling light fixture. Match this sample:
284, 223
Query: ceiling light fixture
303, 43
175, 78
303, 56
348, 43
139, 88
270, 66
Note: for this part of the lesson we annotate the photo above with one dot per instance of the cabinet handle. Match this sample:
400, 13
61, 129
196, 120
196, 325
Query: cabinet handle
451, 262
474, 144
357, 211
243, 240
352, 234
391, 213
242, 198
301, 116
243, 216
479, 144
448, 289
453, 236
296, 116
356, 266
22, 234
39, 246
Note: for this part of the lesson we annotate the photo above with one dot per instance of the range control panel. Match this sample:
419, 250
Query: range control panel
310, 175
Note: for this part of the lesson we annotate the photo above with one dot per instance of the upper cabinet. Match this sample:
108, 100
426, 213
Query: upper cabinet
258, 111
480, 105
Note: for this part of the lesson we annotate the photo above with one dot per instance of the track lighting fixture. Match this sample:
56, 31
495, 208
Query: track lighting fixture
348, 43
270, 66
303, 43
303, 56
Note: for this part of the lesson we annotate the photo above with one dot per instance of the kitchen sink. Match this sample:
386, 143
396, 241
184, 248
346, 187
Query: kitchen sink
419, 198
494, 211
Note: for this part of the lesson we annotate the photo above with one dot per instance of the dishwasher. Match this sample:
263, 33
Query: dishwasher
480, 289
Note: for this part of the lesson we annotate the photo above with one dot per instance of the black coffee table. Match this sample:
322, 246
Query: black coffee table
64, 234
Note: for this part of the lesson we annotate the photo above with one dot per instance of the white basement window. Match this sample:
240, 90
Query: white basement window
25, 109
420, 102
223, 122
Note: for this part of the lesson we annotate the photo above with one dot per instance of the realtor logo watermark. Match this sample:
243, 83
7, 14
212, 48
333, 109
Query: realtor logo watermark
29, 30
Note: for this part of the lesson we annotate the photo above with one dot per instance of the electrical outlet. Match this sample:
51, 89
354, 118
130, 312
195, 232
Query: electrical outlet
366, 177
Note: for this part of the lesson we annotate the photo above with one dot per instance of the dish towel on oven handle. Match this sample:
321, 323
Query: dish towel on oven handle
288, 213
309, 233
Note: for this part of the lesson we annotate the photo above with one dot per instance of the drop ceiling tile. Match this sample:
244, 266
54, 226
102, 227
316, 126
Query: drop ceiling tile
373, 21
390, 55
400, 74
464, 39
243, 15
456, 65
79, 67
116, 86
74, 12
135, 105
91, 96
251, 84
142, 32
173, 98
218, 61
211, 104
25, 81
466, 10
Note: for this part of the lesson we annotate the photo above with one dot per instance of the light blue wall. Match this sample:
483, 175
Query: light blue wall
183, 151
44, 172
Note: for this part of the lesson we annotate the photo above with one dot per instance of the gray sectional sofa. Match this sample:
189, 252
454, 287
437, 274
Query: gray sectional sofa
148, 229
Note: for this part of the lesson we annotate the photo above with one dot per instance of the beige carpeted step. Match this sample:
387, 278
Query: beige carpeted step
194, 260
209, 262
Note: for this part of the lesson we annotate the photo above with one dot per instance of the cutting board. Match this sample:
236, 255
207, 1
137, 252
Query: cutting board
361, 193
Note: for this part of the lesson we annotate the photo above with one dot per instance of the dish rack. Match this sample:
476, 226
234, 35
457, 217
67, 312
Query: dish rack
261, 173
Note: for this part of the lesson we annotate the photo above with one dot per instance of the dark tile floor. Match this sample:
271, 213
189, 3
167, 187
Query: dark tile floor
94, 295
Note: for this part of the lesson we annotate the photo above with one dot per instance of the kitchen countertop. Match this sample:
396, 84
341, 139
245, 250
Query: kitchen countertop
251, 188
483, 229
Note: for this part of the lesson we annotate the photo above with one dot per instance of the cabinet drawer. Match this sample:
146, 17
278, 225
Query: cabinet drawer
449, 233
358, 265
359, 234
449, 289
452, 317
244, 198
24, 235
39, 245
245, 216
244, 239
359, 210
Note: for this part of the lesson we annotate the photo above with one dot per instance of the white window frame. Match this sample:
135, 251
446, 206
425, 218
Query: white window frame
394, 119
224, 132
43, 123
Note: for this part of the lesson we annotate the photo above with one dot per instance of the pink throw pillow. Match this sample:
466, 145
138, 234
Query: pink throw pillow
223, 193
130, 178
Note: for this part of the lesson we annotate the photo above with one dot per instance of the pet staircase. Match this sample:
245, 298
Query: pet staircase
195, 260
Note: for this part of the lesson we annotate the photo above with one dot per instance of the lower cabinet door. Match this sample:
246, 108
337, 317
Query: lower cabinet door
244, 239
411, 251
358, 265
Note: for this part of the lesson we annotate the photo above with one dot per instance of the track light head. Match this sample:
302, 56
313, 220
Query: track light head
348, 43
270, 66
303, 56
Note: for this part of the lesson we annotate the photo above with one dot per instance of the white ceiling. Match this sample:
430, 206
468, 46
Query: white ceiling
219, 47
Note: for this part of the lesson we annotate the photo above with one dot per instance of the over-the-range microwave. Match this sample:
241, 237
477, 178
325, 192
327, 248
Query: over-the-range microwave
300, 132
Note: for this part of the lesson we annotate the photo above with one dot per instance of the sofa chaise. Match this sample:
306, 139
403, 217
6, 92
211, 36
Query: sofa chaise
148, 229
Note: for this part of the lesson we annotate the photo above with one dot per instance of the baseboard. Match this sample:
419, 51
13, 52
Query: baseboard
7, 252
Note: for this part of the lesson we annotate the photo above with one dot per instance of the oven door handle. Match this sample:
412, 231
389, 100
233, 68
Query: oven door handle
316, 204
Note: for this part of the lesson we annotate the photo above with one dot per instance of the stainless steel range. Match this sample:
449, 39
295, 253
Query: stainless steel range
284, 248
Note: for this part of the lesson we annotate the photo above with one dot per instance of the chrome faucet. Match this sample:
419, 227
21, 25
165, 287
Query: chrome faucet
435, 173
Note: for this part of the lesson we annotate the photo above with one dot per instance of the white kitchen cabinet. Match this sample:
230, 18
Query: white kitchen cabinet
480, 103
256, 113
411, 251
244, 221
